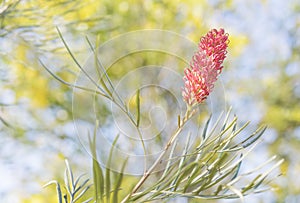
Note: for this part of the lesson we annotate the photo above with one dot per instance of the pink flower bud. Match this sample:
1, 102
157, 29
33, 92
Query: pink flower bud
206, 65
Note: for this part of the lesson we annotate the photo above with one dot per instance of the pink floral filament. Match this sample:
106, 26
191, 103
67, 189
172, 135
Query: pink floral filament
206, 65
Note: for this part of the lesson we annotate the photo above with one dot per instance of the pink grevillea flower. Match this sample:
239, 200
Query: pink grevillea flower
206, 65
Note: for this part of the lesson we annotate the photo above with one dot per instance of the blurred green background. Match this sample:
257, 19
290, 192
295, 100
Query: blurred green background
261, 79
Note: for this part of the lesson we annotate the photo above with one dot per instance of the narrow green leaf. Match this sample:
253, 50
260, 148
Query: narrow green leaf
98, 181
69, 84
220, 187
185, 173
237, 192
256, 138
107, 172
214, 127
81, 193
250, 185
78, 179
169, 160
81, 186
219, 136
191, 177
119, 182
182, 160
99, 67
98, 177
58, 190
138, 108
67, 183
88, 200
219, 179
161, 184
204, 133
237, 169
70, 176
226, 119
214, 168
66, 198
77, 63
234, 127
5, 122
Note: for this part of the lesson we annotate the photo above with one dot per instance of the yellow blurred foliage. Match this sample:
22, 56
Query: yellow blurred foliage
284, 167
49, 196
237, 42
29, 82
281, 118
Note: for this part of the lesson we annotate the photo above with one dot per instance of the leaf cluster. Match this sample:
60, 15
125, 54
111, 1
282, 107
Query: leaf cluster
210, 170
75, 188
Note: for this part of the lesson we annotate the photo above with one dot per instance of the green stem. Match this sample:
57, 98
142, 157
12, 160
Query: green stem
188, 115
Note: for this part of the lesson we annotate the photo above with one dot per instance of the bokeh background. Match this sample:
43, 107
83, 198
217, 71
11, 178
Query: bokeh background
261, 79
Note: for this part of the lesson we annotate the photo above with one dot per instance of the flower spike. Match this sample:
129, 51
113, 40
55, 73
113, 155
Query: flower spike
206, 65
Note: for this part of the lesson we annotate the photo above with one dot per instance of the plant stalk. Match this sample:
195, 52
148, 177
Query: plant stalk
147, 173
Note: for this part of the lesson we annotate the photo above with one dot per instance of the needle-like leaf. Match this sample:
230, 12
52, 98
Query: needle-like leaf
138, 108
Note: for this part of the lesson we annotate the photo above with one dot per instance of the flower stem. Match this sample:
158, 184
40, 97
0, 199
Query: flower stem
147, 173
